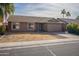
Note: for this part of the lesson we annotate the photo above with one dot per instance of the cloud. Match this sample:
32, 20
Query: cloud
46, 9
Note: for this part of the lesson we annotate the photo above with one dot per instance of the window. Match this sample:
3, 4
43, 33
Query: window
31, 26
15, 26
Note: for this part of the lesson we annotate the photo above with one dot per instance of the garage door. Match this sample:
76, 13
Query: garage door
54, 27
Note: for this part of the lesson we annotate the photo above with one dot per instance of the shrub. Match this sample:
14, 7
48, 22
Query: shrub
2, 30
77, 30
73, 28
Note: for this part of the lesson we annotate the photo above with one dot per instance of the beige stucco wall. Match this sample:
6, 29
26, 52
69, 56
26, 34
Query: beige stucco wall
23, 27
54, 27
48, 27
45, 27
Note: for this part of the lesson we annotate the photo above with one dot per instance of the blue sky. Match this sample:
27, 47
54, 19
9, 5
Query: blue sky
46, 9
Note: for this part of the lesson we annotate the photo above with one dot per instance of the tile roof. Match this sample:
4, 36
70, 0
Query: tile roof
32, 19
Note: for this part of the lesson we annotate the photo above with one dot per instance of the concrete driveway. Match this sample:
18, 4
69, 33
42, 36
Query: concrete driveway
64, 49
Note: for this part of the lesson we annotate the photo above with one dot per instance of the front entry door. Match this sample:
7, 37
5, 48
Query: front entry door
40, 27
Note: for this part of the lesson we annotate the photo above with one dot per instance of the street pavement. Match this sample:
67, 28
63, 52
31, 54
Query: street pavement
58, 49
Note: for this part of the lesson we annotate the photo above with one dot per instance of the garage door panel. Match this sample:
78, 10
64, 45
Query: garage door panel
54, 27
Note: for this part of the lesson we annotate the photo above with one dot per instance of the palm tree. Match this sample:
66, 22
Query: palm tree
7, 9
68, 14
63, 12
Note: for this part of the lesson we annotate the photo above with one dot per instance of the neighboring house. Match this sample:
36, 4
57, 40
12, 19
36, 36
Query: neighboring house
66, 21
35, 24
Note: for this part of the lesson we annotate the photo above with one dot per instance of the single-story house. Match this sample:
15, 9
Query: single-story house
35, 24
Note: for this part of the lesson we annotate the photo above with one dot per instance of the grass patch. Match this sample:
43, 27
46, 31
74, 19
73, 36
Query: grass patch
20, 37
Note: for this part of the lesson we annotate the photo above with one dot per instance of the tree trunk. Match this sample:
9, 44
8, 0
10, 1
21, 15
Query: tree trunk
4, 18
63, 15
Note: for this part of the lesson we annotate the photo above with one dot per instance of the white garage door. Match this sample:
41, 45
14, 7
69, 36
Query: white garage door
54, 27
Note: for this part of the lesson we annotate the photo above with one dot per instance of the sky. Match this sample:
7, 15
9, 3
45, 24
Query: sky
46, 9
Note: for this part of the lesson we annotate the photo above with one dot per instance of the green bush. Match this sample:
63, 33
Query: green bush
73, 28
2, 30
77, 30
